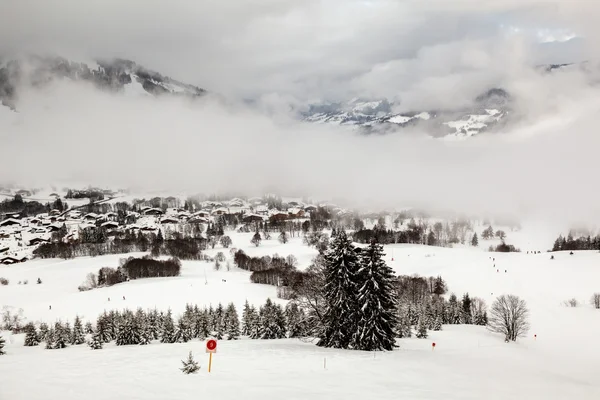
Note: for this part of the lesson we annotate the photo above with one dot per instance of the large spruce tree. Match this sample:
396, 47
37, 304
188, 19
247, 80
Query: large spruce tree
341, 267
377, 302
2, 341
78, 336
31, 336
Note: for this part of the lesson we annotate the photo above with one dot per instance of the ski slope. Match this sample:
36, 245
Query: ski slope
467, 363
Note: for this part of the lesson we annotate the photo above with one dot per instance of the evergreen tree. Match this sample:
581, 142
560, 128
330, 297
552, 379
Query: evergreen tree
377, 302
168, 331
437, 324
475, 240
246, 318
218, 322
153, 323
2, 342
466, 317
283, 237
183, 331
232, 322
62, 335
272, 321
404, 327
341, 267
78, 337
141, 324
50, 337
190, 366
201, 330
421, 330
31, 336
102, 328
43, 331
254, 323
256, 239
96, 342
89, 329
295, 317
128, 332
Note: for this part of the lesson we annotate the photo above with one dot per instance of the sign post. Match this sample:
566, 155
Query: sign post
211, 347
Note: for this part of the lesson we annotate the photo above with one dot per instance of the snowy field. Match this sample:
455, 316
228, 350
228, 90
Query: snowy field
467, 363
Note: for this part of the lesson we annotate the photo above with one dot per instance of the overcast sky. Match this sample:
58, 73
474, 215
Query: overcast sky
309, 49
427, 53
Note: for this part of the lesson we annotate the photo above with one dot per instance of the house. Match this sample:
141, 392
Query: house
53, 228
10, 222
198, 220
279, 216
110, 225
54, 212
296, 213
36, 241
236, 202
310, 209
249, 218
91, 217
220, 211
12, 260
202, 214
169, 220
153, 211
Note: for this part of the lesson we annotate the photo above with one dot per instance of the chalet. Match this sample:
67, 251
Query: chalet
54, 212
36, 241
169, 220
111, 216
198, 220
53, 228
296, 213
278, 217
202, 214
310, 208
23, 192
220, 211
249, 218
10, 222
148, 229
236, 202
144, 208
74, 214
153, 211
263, 210
294, 203
12, 260
109, 225
91, 217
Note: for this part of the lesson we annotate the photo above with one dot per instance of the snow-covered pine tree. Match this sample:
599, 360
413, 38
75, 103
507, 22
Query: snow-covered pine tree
421, 330
50, 337
129, 332
31, 336
201, 324
232, 323
96, 342
183, 331
377, 302
465, 312
190, 366
89, 328
403, 328
341, 267
168, 331
246, 319
102, 329
254, 323
272, 321
295, 320
141, 323
2, 342
212, 322
153, 325
43, 331
218, 318
62, 335
437, 323
77, 337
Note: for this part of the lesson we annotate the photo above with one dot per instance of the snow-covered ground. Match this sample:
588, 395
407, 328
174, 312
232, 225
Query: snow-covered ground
467, 363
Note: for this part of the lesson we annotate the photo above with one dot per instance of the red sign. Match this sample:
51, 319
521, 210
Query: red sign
211, 346
433, 344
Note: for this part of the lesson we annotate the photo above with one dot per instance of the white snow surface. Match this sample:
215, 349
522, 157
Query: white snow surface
468, 361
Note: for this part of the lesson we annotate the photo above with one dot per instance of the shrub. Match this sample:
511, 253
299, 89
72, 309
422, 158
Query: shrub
4, 281
595, 300
571, 302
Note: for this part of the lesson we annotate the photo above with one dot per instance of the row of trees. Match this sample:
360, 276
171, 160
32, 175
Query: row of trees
582, 243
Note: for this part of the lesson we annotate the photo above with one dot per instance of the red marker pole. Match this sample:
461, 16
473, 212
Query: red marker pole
211, 347
432, 346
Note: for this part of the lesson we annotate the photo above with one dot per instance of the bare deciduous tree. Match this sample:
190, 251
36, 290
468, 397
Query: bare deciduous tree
595, 300
508, 316
571, 302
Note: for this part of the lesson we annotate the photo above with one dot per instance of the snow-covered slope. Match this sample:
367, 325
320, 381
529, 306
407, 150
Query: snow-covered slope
468, 362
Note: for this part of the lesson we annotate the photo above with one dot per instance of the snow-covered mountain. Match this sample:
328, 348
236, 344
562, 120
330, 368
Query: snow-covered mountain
114, 75
489, 111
